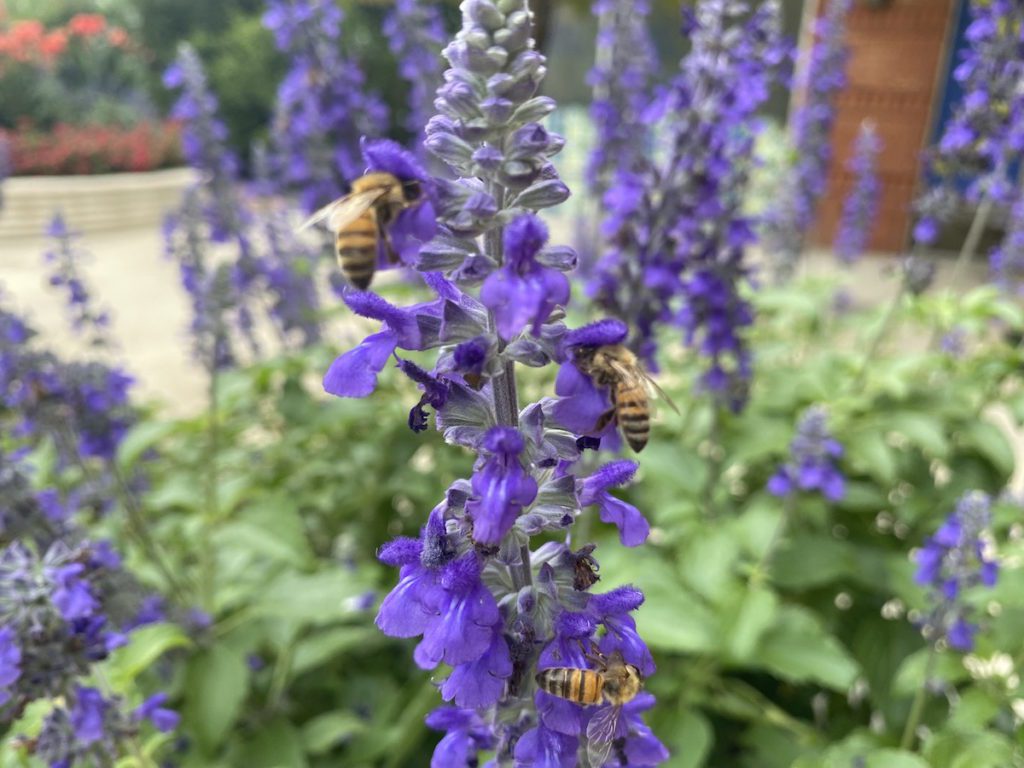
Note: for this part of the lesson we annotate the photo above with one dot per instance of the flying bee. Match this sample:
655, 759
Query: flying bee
360, 222
614, 366
613, 682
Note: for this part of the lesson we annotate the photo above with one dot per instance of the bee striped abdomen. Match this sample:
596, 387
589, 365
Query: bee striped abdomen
633, 413
582, 686
357, 250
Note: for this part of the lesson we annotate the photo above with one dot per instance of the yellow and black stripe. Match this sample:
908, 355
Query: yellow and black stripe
633, 414
582, 686
357, 250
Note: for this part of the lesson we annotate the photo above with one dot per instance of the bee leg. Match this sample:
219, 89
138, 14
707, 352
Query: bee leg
385, 239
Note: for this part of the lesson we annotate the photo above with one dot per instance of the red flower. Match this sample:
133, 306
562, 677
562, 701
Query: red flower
87, 24
117, 37
54, 44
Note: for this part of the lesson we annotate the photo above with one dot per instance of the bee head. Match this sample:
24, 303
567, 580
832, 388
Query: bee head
412, 190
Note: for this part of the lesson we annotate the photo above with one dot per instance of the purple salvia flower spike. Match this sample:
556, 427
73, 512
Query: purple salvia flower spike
861, 206
416, 36
819, 81
953, 560
471, 586
812, 466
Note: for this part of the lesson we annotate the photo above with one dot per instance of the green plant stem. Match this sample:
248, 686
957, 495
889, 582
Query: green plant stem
884, 328
210, 513
917, 707
714, 461
136, 518
981, 216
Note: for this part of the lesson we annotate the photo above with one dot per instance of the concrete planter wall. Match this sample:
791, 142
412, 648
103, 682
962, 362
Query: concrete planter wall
90, 203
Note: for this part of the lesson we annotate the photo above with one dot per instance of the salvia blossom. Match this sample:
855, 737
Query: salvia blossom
818, 82
621, 79
812, 465
82, 406
1006, 262
677, 235
951, 562
861, 206
323, 104
480, 598
64, 604
416, 36
204, 142
985, 135
64, 260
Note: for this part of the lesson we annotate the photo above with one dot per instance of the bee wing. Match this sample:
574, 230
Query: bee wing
637, 375
345, 210
601, 734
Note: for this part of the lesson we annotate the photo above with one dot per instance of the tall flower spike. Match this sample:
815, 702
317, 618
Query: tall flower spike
323, 104
416, 36
1006, 261
813, 455
64, 260
861, 206
818, 82
472, 585
676, 233
974, 158
952, 561
622, 78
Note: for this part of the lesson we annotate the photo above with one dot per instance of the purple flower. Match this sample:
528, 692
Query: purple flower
812, 467
416, 37
633, 527
820, 80
522, 293
88, 715
10, 662
951, 562
501, 486
467, 735
72, 595
323, 103
64, 261
861, 206
153, 709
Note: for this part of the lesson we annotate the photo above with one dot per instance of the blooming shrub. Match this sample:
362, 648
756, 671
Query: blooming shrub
85, 149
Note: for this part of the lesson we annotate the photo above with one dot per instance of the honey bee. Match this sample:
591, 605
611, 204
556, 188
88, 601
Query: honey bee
616, 367
360, 222
613, 682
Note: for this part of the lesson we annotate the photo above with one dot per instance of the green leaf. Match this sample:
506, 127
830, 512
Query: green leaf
216, 684
275, 745
318, 598
322, 733
946, 667
799, 650
145, 645
140, 439
990, 441
869, 453
690, 740
925, 432
274, 529
751, 617
983, 749
894, 758
323, 646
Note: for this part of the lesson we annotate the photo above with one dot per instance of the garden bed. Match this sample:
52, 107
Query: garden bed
90, 203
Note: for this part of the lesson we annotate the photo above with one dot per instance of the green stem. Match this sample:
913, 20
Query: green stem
973, 239
917, 707
210, 513
714, 461
883, 330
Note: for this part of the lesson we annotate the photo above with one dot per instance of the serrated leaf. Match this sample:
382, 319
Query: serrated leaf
319, 598
869, 453
990, 441
925, 432
327, 644
753, 615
